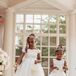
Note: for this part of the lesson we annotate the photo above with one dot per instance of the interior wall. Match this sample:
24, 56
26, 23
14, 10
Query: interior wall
1, 30
1, 35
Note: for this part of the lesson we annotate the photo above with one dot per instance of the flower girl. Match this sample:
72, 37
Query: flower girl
59, 65
31, 65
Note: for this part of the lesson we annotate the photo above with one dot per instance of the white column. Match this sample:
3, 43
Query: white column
72, 45
8, 40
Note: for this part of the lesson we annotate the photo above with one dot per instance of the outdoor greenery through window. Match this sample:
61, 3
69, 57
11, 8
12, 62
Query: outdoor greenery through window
50, 31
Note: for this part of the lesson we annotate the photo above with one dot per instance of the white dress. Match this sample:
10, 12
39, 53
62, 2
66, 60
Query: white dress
59, 64
28, 66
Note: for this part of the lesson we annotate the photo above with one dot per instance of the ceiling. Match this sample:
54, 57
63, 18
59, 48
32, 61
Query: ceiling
70, 4
14, 2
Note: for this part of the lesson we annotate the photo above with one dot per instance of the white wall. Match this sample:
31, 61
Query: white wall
72, 44
1, 35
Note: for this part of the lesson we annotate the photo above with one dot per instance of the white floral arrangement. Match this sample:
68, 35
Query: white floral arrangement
4, 60
1, 61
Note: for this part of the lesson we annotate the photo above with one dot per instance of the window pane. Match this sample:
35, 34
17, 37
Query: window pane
45, 28
53, 28
65, 54
44, 62
51, 61
19, 28
62, 29
38, 40
44, 51
38, 48
29, 27
52, 51
45, 41
53, 19
45, 23
62, 20
18, 50
19, 18
45, 19
62, 41
37, 28
29, 19
52, 41
18, 40
46, 72
37, 18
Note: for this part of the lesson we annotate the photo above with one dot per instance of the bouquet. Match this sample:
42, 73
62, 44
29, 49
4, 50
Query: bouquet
4, 60
1, 63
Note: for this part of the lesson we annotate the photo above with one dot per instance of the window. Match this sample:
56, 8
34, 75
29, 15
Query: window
50, 31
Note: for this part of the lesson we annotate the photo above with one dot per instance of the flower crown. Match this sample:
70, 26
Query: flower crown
60, 48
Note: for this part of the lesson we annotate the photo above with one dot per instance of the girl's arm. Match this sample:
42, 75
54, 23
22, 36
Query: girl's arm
38, 59
52, 66
65, 66
20, 58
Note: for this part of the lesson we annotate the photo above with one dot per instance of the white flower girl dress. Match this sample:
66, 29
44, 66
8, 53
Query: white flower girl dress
59, 64
28, 66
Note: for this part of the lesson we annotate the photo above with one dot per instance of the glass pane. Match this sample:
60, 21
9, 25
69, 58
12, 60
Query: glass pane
37, 28
53, 19
29, 19
18, 50
45, 41
38, 40
62, 41
45, 62
45, 28
38, 48
51, 61
52, 41
45, 23
18, 40
45, 19
44, 51
19, 28
19, 18
62, 20
46, 72
65, 53
62, 29
37, 18
53, 28
52, 51
29, 27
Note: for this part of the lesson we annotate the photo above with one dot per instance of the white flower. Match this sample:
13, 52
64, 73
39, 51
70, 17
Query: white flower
1, 60
4, 59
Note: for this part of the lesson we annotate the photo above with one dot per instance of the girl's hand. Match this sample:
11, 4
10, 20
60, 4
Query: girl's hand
56, 68
65, 68
16, 65
37, 61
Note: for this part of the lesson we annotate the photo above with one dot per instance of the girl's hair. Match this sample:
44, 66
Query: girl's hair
31, 35
26, 44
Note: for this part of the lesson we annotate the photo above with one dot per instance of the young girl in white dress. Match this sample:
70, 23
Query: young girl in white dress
30, 66
59, 65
